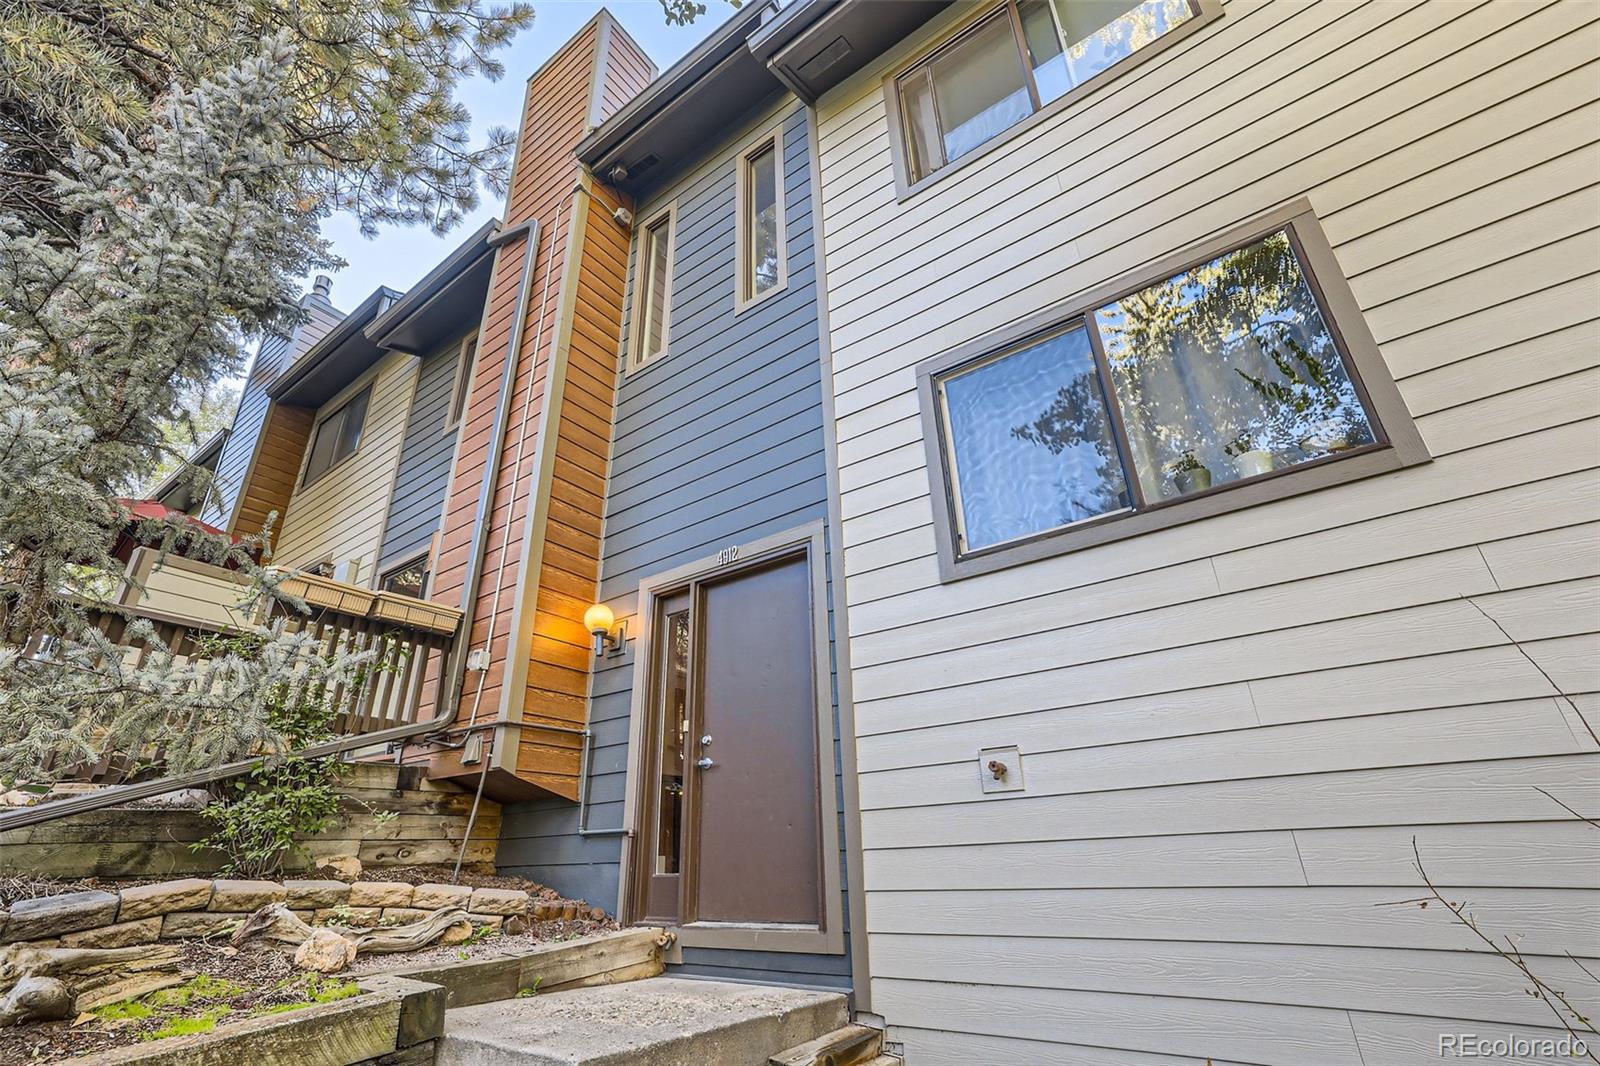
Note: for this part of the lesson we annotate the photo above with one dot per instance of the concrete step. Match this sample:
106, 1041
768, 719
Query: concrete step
662, 1021
852, 1045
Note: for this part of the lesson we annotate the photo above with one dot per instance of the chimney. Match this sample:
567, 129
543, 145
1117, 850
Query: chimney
322, 286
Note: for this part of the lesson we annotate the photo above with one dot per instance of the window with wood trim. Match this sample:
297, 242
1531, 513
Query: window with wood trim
407, 579
463, 381
760, 261
652, 291
1015, 61
337, 436
1201, 381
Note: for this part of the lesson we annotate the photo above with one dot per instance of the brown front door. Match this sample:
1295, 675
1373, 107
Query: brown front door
757, 853
734, 833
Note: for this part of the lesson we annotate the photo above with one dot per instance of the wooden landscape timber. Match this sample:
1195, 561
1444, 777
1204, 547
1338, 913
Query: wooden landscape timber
611, 958
390, 1016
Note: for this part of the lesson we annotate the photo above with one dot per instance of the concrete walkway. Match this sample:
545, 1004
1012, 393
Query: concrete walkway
663, 1021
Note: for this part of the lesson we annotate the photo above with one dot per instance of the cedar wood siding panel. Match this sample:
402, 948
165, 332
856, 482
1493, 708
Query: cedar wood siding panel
553, 120
424, 470
244, 508
701, 459
541, 559
274, 468
1232, 729
340, 515
557, 683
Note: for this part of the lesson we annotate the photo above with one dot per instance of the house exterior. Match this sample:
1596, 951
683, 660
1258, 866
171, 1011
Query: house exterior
1028, 511
1225, 715
717, 558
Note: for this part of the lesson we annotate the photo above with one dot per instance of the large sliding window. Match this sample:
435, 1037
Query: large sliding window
337, 436
1017, 60
1225, 373
652, 291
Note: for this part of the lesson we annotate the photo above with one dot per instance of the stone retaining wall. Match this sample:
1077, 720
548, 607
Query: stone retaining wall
429, 821
198, 907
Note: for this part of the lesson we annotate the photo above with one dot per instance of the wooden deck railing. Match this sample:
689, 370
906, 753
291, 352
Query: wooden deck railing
409, 640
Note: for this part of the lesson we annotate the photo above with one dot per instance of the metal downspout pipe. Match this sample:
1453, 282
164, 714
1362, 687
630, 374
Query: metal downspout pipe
491, 472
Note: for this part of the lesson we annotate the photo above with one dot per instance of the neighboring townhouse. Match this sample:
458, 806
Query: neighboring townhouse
258, 418
345, 432
716, 720
1216, 390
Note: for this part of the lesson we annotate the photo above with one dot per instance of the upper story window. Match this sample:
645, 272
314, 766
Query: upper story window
759, 260
1020, 58
652, 290
337, 436
1184, 394
463, 382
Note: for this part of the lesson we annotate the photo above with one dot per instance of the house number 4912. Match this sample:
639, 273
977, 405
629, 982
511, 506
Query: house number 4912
727, 555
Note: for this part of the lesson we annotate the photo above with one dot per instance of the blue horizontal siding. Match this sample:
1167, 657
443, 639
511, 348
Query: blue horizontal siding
718, 441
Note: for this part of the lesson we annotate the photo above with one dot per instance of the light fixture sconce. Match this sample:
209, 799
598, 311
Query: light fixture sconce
609, 635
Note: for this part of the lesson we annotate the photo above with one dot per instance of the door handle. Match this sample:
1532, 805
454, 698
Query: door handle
705, 762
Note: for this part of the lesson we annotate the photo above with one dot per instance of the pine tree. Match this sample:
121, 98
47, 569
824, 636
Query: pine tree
371, 119
188, 238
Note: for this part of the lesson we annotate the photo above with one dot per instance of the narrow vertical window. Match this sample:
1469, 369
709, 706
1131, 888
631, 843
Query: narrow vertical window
463, 384
653, 290
760, 204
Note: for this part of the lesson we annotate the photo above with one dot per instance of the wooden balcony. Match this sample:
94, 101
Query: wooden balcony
188, 604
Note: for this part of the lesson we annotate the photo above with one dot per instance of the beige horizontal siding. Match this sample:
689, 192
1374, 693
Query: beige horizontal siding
188, 591
340, 515
1234, 729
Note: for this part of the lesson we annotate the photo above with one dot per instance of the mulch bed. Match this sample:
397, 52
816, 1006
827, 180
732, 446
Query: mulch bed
440, 875
263, 972
30, 887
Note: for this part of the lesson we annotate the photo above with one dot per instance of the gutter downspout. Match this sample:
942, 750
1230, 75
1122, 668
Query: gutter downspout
491, 472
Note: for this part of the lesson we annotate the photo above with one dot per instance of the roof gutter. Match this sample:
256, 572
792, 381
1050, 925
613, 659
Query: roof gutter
683, 75
417, 298
348, 328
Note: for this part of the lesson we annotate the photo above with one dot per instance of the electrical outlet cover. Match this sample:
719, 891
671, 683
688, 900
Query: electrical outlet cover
1008, 757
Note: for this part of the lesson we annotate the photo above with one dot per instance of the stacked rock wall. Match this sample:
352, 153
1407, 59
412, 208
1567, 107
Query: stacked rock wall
199, 907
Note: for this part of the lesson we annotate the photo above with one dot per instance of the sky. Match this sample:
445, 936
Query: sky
400, 255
